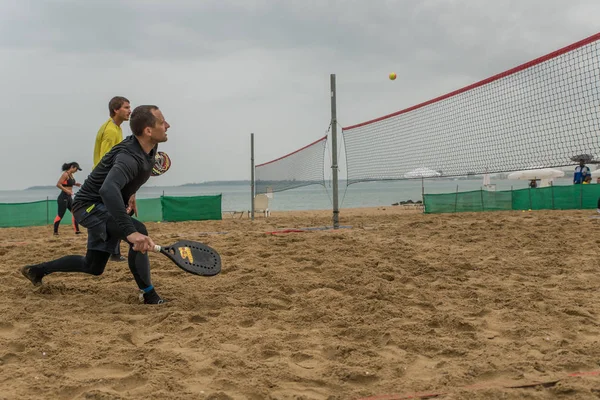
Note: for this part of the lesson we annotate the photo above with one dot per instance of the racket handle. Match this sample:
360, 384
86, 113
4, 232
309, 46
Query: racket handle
157, 248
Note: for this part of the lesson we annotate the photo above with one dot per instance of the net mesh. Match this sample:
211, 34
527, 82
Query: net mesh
540, 114
303, 167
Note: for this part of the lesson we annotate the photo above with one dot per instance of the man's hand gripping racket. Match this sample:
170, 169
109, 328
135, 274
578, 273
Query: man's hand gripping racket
193, 257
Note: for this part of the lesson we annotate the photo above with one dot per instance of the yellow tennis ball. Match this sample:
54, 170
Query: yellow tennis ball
393, 76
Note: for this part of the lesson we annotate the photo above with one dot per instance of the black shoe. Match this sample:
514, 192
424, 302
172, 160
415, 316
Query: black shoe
153, 298
117, 257
78, 232
33, 275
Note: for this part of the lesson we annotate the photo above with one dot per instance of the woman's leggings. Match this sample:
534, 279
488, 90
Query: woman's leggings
65, 202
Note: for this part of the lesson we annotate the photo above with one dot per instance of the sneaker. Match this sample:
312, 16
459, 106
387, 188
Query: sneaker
117, 257
152, 298
34, 276
78, 232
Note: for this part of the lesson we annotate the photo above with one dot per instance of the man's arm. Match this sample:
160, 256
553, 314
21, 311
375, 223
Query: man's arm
123, 171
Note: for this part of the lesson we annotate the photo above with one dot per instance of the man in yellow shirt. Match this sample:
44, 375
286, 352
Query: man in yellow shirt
110, 134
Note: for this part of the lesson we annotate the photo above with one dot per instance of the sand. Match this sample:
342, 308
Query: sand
402, 302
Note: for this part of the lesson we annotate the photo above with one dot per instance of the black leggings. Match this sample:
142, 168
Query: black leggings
95, 261
65, 202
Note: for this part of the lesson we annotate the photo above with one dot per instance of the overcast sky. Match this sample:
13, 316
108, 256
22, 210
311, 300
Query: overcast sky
222, 69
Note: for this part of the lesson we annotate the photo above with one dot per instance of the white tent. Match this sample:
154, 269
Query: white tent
542, 173
422, 173
546, 175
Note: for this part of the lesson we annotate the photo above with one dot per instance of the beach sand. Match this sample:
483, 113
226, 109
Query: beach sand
401, 302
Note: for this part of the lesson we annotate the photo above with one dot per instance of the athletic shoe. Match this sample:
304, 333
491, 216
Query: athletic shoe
35, 276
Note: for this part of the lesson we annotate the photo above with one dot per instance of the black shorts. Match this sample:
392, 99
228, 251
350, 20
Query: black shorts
95, 219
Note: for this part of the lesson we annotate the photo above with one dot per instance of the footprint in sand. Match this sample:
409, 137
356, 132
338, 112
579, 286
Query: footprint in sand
107, 371
198, 319
9, 358
247, 323
8, 330
16, 347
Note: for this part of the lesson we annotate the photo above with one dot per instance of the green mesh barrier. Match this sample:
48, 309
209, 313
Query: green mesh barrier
191, 208
39, 213
572, 197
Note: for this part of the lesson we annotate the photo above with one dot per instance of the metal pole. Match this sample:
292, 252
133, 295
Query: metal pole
512, 204
334, 162
456, 199
482, 206
252, 175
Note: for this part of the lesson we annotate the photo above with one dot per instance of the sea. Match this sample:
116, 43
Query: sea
237, 196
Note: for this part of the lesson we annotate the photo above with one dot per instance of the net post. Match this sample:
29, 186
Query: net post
47, 211
512, 202
252, 176
456, 199
334, 162
482, 206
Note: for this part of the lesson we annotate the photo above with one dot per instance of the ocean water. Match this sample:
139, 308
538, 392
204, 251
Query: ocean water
315, 197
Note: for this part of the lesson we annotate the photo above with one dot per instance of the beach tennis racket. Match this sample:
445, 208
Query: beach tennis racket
193, 257
162, 163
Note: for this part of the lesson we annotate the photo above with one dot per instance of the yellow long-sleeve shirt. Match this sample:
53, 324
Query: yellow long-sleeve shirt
108, 135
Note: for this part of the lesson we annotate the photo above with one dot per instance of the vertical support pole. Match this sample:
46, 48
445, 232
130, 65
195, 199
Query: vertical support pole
456, 199
334, 161
482, 205
47, 211
512, 204
252, 176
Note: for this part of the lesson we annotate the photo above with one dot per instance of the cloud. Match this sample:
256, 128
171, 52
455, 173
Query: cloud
223, 69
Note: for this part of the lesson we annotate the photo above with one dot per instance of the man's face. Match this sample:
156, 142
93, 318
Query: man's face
581, 163
124, 112
159, 132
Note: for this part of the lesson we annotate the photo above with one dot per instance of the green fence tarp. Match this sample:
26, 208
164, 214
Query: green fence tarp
149, 210
26, 214
40, 213
191, 208
572, 197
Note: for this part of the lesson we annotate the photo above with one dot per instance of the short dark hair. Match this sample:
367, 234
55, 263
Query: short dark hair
141, 118
115, 103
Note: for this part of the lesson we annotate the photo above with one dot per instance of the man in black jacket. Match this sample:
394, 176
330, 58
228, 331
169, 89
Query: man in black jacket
103, 203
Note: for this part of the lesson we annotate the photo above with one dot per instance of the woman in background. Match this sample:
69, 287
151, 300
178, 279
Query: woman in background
65, 198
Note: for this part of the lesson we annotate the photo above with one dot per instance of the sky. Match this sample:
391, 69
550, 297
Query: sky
220, 70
